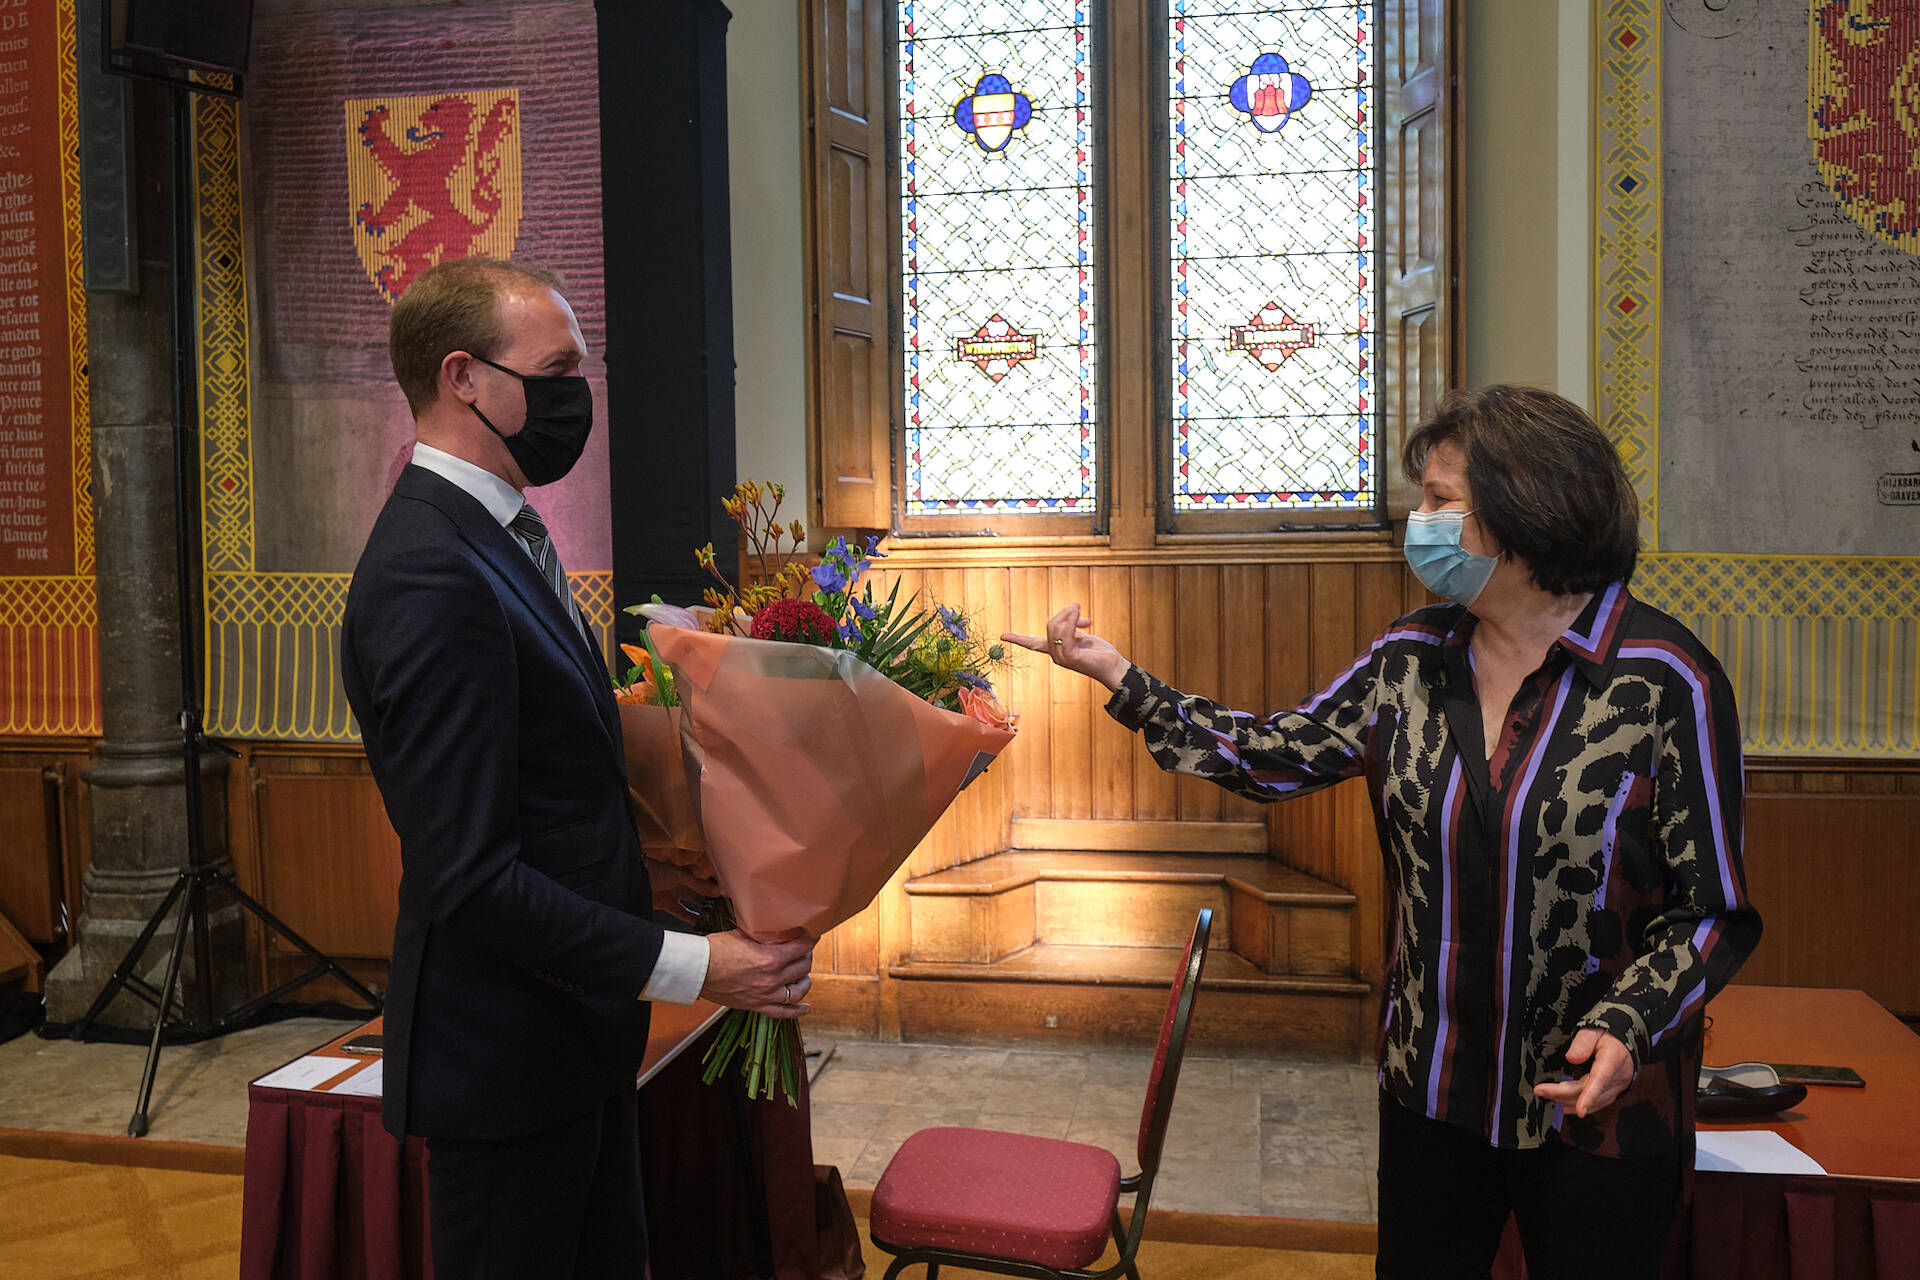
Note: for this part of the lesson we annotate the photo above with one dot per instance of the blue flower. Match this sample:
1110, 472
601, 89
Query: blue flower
830, 576
873, 548
863, 610
973, 681
850, 634
955, 624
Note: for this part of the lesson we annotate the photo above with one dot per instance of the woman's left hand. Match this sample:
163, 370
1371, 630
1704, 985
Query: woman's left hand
1607, 1077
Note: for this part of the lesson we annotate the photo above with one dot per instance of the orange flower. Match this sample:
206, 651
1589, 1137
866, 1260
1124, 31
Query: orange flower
639, 657
984, 707
639, 695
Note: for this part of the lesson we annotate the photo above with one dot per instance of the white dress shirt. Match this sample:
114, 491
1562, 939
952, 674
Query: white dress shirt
681, 970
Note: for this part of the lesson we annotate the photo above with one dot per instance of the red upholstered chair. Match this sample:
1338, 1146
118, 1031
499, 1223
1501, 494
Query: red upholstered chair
1027, 1206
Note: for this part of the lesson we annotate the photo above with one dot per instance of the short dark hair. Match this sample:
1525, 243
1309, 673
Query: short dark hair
453, 306
1545, 483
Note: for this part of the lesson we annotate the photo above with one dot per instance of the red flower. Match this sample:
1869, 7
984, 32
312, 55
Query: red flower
801, 621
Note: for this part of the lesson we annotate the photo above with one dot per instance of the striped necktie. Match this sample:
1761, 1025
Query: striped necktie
532, 530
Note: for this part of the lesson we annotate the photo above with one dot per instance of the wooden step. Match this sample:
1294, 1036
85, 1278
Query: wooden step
1065, 995
1280, 920
1126, 967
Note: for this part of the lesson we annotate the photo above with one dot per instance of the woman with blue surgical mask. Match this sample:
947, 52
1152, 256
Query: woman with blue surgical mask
1555, 772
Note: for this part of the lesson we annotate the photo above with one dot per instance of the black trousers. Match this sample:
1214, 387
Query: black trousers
562, 1202
1445, 1196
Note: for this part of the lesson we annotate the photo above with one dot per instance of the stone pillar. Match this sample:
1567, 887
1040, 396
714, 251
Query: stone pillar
137, 796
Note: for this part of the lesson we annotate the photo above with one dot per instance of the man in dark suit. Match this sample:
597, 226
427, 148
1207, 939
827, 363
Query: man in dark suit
525, 950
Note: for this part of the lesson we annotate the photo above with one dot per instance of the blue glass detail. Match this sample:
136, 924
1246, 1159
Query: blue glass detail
993, 123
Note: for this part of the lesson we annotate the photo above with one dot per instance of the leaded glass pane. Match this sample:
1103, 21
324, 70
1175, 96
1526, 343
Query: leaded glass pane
996, 226
1270, 187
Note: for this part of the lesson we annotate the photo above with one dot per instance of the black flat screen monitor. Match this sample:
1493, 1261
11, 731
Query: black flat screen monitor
192, 42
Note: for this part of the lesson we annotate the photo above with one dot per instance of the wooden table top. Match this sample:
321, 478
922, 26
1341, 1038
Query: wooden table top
1873, 1132
672, 1028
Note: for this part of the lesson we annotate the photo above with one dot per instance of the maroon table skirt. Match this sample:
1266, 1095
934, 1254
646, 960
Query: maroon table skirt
730, 1186
1753, 1226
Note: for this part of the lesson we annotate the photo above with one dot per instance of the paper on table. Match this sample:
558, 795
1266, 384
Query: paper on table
1750, 1151
304, 1073
367, 1081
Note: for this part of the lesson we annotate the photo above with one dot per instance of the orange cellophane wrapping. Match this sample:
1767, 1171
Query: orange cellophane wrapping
662, 805
812, 775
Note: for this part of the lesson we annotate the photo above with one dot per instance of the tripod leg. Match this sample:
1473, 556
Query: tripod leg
124, 969
137, 1126
250, 903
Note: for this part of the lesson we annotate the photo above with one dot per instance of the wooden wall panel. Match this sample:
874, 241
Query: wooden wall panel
1032, 756
330, 864
1243, 674
1070, 701
43, 848
1196, 669
1155, 607
30, 880
1833, 865
1111, 609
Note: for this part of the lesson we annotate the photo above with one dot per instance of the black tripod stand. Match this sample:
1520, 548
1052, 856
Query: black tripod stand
197, 879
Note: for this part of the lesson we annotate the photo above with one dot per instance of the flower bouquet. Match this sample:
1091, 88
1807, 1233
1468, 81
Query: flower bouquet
823, 729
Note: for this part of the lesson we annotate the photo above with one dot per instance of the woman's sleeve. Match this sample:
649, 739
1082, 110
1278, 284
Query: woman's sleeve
1691, 949
1322, 741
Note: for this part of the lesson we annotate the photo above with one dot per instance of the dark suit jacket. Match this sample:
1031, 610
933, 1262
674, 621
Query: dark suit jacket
524, 934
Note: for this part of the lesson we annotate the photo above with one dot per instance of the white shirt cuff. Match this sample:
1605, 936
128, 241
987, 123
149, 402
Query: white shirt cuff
680, 971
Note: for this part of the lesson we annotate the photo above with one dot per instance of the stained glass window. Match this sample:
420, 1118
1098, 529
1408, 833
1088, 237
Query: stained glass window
1270, 187
996, 253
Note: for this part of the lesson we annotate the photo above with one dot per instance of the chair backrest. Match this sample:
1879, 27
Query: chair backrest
1173, 1045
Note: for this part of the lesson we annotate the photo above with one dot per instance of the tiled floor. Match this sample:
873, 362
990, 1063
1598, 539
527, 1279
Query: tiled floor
199, 1090
1291, 1139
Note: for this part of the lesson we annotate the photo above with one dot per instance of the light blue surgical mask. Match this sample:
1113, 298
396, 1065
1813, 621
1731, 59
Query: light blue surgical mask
1449, 569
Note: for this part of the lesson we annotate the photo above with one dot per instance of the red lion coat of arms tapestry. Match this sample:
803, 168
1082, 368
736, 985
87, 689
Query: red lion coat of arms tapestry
1863, 111
432, 177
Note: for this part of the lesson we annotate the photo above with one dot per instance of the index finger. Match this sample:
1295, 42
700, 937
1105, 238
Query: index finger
1035, 643
1589, 1099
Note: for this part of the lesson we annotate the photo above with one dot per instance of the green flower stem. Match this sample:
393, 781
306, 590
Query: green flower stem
772, 1058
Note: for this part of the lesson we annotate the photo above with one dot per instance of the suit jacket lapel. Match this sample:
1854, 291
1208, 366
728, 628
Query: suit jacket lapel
501, 550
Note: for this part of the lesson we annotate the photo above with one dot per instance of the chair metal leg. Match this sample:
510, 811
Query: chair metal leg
1120, 1239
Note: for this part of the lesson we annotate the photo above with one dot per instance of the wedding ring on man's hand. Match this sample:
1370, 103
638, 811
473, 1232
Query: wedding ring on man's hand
786, 995
1059, 644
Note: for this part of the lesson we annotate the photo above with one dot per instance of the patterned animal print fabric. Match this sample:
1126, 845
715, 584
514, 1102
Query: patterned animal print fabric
1586, 874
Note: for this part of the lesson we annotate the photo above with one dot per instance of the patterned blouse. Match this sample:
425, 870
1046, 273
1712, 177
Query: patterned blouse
1587, 875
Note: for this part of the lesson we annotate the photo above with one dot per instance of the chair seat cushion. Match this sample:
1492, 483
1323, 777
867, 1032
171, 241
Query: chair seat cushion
1001, 1194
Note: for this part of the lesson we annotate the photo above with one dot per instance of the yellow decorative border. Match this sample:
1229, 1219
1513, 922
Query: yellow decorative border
273, 639
51, 625
1823, 651
80, 404
1626, 285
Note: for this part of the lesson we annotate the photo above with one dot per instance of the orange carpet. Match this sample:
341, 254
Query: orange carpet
81, 1208
70, 1221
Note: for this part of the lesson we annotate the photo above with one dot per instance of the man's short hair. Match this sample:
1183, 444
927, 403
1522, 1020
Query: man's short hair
1544, 482
454, 306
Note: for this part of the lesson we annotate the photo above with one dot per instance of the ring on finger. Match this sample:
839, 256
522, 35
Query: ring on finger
786, 994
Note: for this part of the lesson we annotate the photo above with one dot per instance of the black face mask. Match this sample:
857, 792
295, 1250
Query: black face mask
559, 419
